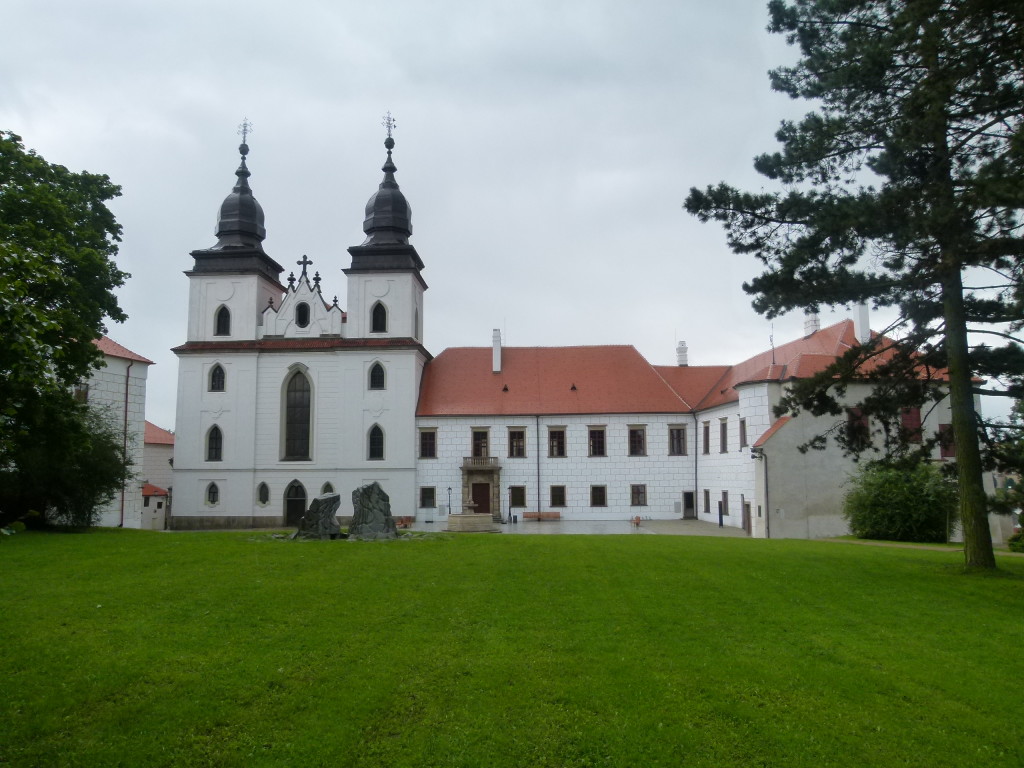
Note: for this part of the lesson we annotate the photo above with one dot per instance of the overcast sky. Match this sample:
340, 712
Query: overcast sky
545, 148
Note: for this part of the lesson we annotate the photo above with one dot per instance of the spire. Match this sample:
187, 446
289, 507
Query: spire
388, 215
240, 220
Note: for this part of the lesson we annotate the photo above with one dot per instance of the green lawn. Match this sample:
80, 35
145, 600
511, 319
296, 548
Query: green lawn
126, 648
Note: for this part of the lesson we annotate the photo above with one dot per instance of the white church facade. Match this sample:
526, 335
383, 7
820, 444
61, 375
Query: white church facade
283, 395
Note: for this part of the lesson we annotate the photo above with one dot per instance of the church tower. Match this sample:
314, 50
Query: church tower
234, 280
385, 287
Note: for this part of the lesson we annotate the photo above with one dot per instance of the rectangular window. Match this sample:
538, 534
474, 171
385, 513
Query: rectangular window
516, 443
707, 437
677, 441
480, 449
598, 496
723, 435
707, 502
517, 496
638, 495
725, 502
596, 442
145, 501
557, 495
858, 433
428, 498
743, 433
947, 447
81, 393
910, 420
638, 441
556, 442
428, 444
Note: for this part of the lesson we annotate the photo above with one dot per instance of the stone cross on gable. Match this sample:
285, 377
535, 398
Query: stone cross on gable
304, 262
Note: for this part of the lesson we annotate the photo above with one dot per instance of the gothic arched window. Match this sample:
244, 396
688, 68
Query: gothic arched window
214, 444
216, 379
375, 447
222, 322
297, 412
302, 314
377, 376
328, 488
379, 318
212, 494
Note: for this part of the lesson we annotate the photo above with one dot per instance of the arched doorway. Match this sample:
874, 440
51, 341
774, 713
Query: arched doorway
294, 503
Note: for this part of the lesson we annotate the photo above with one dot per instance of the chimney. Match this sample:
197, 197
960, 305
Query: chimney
682, 357
496, 353
862, 323
812, 323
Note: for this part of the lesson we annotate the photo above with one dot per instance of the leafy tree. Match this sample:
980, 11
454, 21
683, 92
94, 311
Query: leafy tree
57, 275
904, 188
909, 502
71, 460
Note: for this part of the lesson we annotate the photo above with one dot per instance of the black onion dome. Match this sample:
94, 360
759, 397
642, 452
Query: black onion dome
240, 221
388, 215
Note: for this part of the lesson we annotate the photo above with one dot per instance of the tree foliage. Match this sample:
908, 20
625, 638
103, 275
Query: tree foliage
71, 460
57, 275
903, 189
908, 502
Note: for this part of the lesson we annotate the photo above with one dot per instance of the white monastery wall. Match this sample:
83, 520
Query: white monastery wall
107, 395
665, 477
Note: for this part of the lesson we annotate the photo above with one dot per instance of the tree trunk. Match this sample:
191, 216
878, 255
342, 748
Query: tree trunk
978, 552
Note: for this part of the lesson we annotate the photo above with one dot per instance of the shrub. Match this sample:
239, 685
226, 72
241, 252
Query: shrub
897, 503
1016, 542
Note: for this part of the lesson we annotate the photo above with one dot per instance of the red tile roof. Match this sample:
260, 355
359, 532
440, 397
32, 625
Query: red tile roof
692, 382
148, 489
545, 380
779, 424
611, 379
157, 436
795, 359
110, 347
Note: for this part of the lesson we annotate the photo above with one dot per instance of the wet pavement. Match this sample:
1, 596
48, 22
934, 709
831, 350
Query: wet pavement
601, 527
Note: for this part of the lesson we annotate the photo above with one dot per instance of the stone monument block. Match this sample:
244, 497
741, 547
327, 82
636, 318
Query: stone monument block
372, 519
320, 521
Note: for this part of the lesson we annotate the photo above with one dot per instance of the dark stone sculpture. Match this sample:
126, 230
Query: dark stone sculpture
320, 521
372, 519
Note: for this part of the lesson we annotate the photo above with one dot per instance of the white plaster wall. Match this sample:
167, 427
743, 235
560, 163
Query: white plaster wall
249, 414
805, 490
733, 470
107, 394
245, 296
666, 477
156, 467
400, 292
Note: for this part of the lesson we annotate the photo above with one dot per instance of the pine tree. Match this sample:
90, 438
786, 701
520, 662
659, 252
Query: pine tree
903, 188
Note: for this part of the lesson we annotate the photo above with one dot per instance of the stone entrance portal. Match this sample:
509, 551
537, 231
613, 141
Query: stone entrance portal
481, 486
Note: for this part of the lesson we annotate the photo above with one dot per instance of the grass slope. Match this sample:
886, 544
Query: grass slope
126, 648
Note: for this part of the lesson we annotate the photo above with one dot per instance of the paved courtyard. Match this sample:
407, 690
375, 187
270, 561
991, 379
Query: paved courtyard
599, 527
